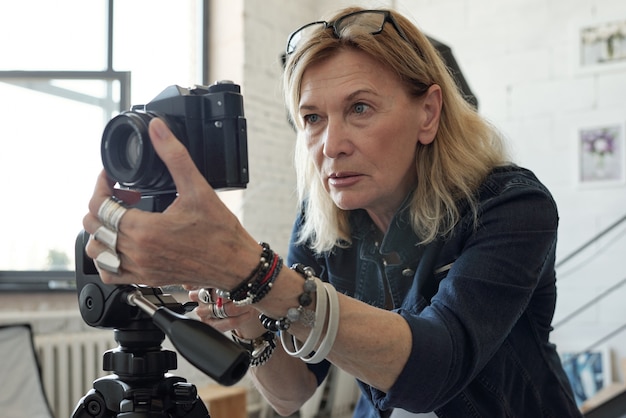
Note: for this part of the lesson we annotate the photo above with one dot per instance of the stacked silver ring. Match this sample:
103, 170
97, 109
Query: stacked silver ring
204, 295
108, 261
216, 310
110, 213
107, 237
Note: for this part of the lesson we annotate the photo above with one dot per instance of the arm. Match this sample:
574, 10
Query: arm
198, 242
284, 381
497, 268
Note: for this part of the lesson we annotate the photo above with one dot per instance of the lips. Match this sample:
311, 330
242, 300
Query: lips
344, 179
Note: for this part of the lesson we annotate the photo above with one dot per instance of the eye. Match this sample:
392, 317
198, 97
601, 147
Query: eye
360, 108
311, 119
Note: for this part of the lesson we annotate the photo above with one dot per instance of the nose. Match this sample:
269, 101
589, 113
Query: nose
337, 140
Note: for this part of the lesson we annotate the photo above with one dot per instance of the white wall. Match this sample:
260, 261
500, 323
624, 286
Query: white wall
521, 60
519, 57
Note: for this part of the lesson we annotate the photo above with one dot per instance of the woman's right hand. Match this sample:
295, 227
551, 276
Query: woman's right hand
245, 319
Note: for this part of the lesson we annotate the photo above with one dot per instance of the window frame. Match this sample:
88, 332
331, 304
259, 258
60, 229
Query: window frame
56, 280
65, 280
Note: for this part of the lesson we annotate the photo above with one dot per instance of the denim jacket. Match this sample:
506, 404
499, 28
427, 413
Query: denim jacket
479, 303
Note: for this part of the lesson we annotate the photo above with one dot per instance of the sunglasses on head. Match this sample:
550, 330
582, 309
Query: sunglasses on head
370, 21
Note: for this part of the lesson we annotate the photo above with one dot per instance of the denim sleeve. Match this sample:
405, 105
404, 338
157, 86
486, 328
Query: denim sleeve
496, 268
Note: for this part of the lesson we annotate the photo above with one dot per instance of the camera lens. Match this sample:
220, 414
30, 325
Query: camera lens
124, 148
128, 155
133, 150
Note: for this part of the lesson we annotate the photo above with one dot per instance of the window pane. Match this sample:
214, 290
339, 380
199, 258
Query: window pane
49, 160
50, 149
53, 35
158, 41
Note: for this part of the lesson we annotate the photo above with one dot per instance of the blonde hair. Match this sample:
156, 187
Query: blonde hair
449, 170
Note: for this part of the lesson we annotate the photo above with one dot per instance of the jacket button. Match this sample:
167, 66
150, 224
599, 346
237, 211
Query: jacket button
408, 272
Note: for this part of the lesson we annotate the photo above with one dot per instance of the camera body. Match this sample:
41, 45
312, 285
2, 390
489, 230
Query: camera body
208, 120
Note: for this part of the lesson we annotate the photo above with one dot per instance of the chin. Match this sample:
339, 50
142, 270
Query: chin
345, 204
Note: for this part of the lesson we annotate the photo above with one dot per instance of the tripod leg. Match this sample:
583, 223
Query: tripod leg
92, 405
168, 397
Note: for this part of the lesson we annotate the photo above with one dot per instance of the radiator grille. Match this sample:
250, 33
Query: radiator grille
69, 365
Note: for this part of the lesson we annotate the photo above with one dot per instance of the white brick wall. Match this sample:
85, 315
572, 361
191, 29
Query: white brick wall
519, 58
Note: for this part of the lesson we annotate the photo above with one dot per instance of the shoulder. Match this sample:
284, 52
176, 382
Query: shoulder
503, 178
516, 192
513, 183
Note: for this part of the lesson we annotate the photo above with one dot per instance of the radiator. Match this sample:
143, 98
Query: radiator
70, 363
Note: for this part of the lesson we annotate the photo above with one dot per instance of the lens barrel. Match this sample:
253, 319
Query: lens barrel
128, 156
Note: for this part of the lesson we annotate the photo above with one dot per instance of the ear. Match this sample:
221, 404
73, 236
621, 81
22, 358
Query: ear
431, 104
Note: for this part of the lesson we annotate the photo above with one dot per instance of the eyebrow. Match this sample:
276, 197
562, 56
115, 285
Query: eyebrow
348, 98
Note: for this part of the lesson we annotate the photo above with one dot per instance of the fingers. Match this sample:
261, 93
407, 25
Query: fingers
211, 304
103, 248
102, 191
176, 157
212, 307
146, 253
222, 317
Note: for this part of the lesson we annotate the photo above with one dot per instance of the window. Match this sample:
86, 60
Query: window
68, 67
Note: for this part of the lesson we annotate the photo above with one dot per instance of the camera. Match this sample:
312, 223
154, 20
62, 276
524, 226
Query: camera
208, 120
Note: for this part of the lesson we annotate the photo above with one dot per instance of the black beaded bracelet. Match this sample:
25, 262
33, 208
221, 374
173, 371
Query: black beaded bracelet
274, 325
299, 313
265, 285
259, 288
258, 284
241, 290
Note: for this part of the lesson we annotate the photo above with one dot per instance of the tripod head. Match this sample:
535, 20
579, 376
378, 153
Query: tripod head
141, 317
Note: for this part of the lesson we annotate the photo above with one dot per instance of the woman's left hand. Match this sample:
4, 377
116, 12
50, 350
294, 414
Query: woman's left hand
197, 240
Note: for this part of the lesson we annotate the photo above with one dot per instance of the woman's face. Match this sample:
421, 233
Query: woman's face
361, 128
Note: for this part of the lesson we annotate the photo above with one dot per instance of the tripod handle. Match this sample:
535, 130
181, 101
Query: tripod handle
205, 347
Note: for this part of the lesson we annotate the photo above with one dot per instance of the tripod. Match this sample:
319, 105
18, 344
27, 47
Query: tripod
141, 317
140, 386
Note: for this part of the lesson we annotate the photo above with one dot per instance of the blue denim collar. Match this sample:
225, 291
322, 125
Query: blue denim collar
395, 240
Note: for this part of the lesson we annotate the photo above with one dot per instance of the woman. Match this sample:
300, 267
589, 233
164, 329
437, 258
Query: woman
436, 255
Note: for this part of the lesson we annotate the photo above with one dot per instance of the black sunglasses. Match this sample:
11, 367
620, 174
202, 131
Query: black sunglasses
371, 21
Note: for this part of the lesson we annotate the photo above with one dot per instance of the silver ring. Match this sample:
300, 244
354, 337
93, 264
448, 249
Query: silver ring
108, 261
106, 236
110, 213
204, 295
218, 311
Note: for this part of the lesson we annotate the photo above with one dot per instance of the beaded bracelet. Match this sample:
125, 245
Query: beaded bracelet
299, 313
290, 344
274, 325
239, 291
258, 284
265, 285
312, 350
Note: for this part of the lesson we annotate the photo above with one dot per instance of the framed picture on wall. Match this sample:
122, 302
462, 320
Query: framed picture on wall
600, 152
601, 45
588, 372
